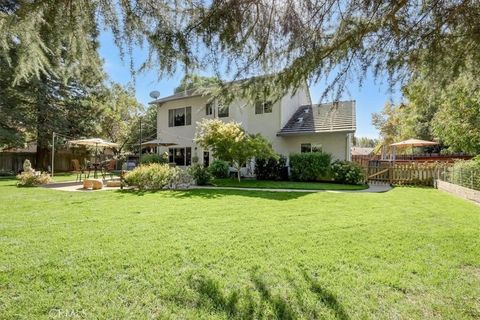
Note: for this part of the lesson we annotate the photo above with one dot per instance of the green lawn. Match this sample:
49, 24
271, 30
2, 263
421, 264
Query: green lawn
409, 253
250, 183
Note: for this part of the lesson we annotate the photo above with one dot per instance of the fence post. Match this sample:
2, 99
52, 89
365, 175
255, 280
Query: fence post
471, 180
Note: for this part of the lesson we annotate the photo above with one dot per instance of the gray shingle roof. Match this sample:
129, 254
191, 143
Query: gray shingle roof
178, 96
327, 117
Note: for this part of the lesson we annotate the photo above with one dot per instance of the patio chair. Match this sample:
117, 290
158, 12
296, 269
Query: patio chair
76, 168
109, 168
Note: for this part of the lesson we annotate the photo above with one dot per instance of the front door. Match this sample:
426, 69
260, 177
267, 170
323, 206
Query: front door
206, 158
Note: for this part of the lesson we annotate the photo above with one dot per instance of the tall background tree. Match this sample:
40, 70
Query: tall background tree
365, 142
431, 41
431, 111
291, 40
195, 81
119, 118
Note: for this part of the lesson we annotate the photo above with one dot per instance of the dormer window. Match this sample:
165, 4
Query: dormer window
263, 107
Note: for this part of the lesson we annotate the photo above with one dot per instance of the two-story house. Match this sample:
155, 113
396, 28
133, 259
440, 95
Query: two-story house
292, 124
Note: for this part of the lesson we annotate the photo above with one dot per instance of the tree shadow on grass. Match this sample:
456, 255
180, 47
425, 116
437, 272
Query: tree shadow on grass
216, 194
325, 296
259, 301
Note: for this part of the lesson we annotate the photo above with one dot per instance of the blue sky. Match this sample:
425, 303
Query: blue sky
369, 98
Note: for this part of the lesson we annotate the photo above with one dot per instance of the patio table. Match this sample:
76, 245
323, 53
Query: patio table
96, 167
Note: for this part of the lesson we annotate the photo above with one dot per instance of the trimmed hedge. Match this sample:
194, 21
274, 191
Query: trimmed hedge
271, 168
347, 172
310, 166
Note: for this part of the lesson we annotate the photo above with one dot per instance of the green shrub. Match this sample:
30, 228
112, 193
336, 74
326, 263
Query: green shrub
271, 168
310, 166
347, 172
30, 178
157, 176
219, 169
466, 173
153, 158
200, 174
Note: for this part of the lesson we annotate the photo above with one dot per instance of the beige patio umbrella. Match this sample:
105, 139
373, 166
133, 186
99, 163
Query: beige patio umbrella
94, 142
414, 143
411, 143
157, 142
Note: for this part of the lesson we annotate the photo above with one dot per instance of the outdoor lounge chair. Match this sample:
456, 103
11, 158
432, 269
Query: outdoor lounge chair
76, 168
109, 168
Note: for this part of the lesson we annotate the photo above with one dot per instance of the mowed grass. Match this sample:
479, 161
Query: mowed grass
251, 183
217, 254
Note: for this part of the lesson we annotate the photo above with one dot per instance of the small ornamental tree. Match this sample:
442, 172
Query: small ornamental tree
230, 142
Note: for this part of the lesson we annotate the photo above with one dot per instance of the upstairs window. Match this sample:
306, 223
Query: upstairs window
223, 111
209, 109
180, 117
263, 107
307, 147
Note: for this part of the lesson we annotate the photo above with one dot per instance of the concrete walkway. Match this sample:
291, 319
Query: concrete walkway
372, 188
78, 186
75, 186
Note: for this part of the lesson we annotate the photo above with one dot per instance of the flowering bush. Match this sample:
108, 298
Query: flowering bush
30, 178
200, 174
156, 176
347, 172
219, 169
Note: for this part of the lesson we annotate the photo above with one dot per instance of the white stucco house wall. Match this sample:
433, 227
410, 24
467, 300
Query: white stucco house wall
292, 124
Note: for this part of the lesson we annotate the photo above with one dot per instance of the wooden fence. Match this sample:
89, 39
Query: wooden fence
413, 173
13, 161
